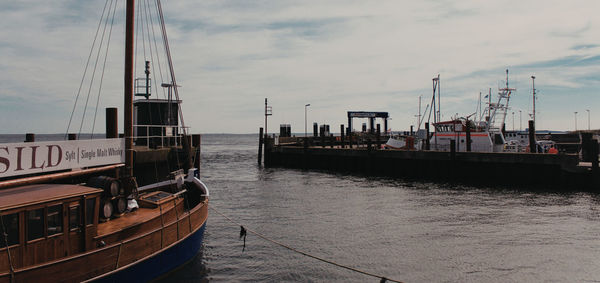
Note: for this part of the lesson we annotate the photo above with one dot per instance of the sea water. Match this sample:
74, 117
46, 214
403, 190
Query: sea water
413, 231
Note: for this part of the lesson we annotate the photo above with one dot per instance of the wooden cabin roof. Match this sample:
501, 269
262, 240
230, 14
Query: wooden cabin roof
32, 194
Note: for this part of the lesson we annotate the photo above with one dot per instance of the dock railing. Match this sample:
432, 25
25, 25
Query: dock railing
158, 135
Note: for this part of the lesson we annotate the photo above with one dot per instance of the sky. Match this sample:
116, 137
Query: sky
337, 56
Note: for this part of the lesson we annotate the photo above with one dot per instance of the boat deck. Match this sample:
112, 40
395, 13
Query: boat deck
138, 217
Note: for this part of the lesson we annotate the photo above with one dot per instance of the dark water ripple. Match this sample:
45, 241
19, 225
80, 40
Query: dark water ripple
408, 230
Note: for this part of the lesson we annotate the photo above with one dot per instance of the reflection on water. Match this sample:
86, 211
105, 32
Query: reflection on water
408, 230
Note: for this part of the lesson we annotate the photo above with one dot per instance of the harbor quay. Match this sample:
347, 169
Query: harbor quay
535, 171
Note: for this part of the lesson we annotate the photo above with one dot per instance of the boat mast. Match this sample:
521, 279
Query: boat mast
419, 116
128, 105
439, 99
533, 87
478, 112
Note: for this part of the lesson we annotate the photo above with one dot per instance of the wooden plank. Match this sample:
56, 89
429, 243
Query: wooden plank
140, 216
34, 194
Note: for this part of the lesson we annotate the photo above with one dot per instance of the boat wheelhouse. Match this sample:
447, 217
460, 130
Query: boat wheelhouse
459, 130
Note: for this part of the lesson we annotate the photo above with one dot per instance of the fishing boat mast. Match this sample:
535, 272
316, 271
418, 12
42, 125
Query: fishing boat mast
497, 111
128, 105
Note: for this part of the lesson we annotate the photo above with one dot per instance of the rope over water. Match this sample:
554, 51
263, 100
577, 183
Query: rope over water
245, 229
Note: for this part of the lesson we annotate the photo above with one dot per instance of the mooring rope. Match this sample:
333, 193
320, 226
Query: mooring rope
245, 229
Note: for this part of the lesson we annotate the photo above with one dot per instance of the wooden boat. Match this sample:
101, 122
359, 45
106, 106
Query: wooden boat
72, 211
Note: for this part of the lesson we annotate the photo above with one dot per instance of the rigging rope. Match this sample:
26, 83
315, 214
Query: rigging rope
137, 34
245, 229
170, 61
103, 69
157, 57
94, 72
150, 26
85, 70
5, 235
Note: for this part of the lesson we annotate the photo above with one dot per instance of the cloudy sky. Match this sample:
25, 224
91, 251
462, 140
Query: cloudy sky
336, 55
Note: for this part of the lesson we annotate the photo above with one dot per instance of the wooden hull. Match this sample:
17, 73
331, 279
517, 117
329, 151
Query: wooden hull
160, 263
139, 258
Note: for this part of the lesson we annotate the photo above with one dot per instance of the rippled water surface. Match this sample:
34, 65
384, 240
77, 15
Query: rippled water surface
409, 231
405, 230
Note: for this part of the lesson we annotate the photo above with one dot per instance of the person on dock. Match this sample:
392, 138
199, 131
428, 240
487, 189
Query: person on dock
552, 150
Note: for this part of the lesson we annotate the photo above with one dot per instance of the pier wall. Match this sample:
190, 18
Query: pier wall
540, 171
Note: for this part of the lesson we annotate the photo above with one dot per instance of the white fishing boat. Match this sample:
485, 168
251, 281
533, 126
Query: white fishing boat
482, 140
484, 131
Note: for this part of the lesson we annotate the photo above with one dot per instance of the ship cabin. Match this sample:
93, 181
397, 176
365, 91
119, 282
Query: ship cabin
44, 222
156, 121
457, 125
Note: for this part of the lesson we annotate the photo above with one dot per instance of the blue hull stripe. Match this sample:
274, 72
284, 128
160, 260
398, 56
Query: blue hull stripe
162, 262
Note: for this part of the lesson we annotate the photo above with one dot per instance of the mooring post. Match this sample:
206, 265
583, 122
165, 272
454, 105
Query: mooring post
72, 137
532, 145
112, 129
349, 138
468, 134
594, 156
342, 136
426, 136
369, 145
260, 145
586, 145
29, 137
378, 137
322, 136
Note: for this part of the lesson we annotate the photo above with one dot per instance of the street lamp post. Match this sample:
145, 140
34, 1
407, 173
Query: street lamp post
588, 111
575, 120
520, 122
533, 88
305, 129
513, 116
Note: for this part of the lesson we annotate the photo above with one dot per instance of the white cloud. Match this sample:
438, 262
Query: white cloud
336, 55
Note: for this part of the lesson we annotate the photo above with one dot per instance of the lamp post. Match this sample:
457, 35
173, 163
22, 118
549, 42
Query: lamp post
513, 116
588, 111
533, 88
575, 120
305, 109
520, 121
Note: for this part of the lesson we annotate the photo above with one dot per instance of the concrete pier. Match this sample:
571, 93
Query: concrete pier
530, 170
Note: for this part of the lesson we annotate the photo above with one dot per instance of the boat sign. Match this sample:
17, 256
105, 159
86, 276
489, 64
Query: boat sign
39, 157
